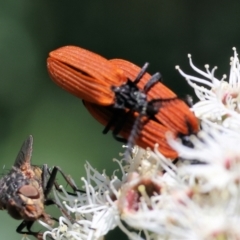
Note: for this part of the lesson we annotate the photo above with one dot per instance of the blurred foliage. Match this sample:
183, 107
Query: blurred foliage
160, 32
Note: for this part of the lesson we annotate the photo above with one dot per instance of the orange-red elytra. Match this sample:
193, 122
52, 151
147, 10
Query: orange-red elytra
118, 89
84, 74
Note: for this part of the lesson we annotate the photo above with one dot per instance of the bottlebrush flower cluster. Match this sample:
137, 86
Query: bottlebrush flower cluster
149, 197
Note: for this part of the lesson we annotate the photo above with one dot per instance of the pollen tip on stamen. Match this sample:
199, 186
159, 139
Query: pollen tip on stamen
206, 66
60, 186
82, 178
177, 67
189, 55
141, 188
120, 154
234, 49
75, 200
64, 202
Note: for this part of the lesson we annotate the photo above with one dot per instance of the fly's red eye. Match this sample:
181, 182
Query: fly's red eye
29, 191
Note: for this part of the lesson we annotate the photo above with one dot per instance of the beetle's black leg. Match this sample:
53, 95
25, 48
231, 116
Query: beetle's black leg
120, 139
152, 81
119, 126
117, 114
135, 132
141, 73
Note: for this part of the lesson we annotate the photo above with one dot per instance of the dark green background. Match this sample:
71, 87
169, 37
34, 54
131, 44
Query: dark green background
161, 32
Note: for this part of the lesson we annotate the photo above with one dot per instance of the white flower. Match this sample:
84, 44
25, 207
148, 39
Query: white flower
94, 211
219, 99
155, 199
213, 183
110, 200
216, 149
